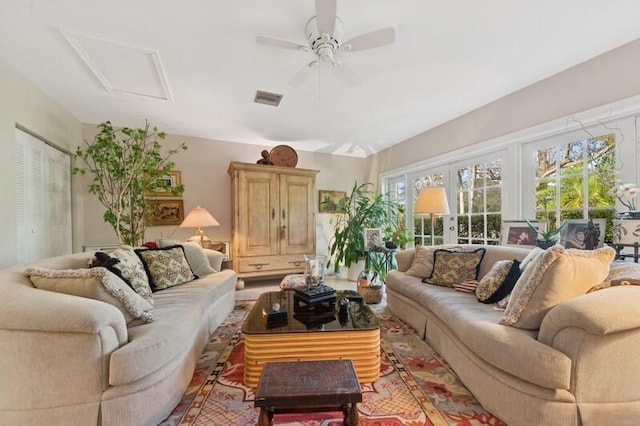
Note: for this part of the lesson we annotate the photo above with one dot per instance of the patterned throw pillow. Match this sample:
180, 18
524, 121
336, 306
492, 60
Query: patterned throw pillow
195, 256
557, 275
128, 266
166, 266
451, 267
96, 283
499, 281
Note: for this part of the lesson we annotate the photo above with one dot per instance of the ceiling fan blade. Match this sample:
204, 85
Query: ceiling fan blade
282, 44
303, 74
346, 73
326, 16
370, 40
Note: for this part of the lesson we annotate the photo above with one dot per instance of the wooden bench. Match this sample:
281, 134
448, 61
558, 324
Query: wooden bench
308, 386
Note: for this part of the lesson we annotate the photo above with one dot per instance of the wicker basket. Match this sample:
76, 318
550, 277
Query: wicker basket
371, 294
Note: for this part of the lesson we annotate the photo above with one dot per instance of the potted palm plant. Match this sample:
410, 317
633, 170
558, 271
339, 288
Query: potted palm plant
364, 208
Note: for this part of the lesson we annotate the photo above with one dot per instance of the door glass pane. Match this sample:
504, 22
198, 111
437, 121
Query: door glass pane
422, 223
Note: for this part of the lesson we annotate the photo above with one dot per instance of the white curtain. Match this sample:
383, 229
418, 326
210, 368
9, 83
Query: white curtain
43, 199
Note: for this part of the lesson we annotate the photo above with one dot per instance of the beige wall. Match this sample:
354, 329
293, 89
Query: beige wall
612, 76
24, 104
203, 170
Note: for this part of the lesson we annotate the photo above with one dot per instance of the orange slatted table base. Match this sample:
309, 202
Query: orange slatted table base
361, 346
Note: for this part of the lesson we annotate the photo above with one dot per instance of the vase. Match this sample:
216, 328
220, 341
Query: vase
314, 269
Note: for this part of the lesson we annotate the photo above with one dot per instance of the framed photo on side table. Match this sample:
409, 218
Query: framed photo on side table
372, 238
574, 233
519, 233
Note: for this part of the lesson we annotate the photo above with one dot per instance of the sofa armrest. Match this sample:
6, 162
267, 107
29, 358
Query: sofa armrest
607, 311
51, 341
600, 333
215, 258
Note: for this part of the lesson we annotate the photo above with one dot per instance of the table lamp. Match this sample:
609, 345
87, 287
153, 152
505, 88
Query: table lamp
433, 201
199, 218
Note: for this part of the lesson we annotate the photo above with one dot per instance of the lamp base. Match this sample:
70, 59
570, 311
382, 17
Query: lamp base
205, 242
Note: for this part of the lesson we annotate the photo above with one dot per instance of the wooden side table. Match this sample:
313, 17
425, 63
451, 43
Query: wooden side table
308, 386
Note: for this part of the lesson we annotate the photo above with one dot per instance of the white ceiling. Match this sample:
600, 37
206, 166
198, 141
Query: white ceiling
449, 58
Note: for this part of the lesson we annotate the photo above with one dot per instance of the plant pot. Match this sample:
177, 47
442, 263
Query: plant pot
545, 244
354, 270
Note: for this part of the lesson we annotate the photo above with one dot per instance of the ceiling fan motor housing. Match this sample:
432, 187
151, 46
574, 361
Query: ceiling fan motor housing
324, 45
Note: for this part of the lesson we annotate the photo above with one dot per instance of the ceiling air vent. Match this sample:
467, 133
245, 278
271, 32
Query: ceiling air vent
267, 98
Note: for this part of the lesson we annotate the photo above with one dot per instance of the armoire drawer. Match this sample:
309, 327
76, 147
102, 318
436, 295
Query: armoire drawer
270, 263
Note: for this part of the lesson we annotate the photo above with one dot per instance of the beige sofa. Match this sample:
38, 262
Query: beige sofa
71, 360
582, 367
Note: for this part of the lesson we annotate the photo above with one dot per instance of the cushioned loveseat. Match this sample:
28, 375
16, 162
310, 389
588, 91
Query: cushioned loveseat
579, 366
66, 359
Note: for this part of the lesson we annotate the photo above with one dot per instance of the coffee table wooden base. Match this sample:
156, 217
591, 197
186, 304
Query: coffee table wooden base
361, 346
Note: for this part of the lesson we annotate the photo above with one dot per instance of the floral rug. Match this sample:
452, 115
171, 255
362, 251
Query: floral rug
416, 386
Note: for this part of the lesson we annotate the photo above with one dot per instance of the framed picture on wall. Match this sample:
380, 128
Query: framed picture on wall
519, 233
575, 234
332, 201
165, 212
173, 180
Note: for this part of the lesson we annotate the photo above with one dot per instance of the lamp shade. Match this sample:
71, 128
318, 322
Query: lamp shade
432, 200
198, 217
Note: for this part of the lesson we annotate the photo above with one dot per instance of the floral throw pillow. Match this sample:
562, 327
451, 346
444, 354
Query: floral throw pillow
499, 281
166, 267
452, 267
128, 266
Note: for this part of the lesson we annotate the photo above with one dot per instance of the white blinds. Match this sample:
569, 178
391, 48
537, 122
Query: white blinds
43, 199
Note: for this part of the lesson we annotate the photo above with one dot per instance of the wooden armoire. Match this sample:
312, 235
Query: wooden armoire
273, 219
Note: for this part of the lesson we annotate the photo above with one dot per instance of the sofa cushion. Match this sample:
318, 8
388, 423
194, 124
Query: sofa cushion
130, 267
451, 267
195, 256
557, 275
95, 283
166, 266
499, 282
180, 311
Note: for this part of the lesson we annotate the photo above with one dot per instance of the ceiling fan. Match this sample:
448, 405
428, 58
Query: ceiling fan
324, 34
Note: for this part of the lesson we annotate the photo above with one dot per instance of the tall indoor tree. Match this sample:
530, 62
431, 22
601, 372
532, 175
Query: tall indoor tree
127, 166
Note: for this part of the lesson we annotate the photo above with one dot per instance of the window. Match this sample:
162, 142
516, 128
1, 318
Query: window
479, 203
572, 180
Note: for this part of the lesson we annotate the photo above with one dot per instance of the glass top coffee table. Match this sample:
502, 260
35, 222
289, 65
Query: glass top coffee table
322, 332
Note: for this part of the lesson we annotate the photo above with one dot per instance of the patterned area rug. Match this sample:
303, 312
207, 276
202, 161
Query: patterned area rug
416, 386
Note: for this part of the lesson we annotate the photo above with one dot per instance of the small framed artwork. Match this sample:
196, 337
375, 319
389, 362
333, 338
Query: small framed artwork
332, 201
576, 234
173, 180
519, 233
165, 212
372, 238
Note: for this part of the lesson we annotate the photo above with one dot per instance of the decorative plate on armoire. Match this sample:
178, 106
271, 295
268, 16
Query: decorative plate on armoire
283, 156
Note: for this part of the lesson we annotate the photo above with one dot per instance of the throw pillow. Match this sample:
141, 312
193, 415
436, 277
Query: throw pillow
499, 281
532, 255
166, 266
422, 264
95, 283
129, 266
451, 267
195, 256
557, 275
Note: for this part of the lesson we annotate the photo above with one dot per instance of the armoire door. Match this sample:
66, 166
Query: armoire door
259, 221
297, 224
